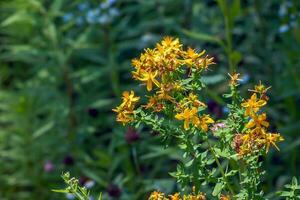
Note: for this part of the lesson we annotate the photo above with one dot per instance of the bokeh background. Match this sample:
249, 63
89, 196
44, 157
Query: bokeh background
65, 63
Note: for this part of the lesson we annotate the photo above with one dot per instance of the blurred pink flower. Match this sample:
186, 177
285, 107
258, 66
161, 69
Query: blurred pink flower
217, 126
48, 166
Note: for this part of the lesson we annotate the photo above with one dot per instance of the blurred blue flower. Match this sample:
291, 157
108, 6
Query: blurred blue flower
104, 5
79, 20
111, 2
113, 12
283, 28
67, 17
70, 196
83, 6
245, 79
89, 184
293, 23
282, 10
147, 37
225, 110
92, 15
104, 19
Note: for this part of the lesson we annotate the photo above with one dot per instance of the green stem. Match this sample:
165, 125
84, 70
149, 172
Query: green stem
229, 43
228, 34
220, 167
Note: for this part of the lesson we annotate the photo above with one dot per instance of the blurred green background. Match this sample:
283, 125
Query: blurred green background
65, 63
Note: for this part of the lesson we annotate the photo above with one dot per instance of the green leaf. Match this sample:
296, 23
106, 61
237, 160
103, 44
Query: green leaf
213, 79
235, 9
60, 191
42, 130
217, 190
236, 57
202, 36
18, 17
102, 103
100, 196
188, 164
294, 181
222, 5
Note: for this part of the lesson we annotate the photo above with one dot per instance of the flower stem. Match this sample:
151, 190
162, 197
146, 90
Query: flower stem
220, 167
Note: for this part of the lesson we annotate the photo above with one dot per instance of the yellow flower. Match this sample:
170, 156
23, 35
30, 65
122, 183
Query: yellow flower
271, 139
189, 116
163, 94
258, 121
204, 121
156, 196
175, 196
129, 99
125, 117
149, 78
253, 104
203, 63
262, 89
193, 99
191, 56
200, 196
126, 109
234, 78
169, 44
224, 197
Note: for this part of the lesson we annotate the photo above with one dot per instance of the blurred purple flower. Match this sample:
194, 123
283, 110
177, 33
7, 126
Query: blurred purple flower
114, 191
93, 112
69, 160
131, 135
214, 108
48, 166
83, 180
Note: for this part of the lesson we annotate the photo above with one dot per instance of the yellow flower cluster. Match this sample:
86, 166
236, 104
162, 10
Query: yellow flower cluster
224, 197
161, 196
166, 70
163, 69
155, 66
256, 134
126, 109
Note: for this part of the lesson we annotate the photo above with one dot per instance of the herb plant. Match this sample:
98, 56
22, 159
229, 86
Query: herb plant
223, 156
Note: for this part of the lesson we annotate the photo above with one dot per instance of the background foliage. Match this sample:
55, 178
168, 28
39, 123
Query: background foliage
64, 64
